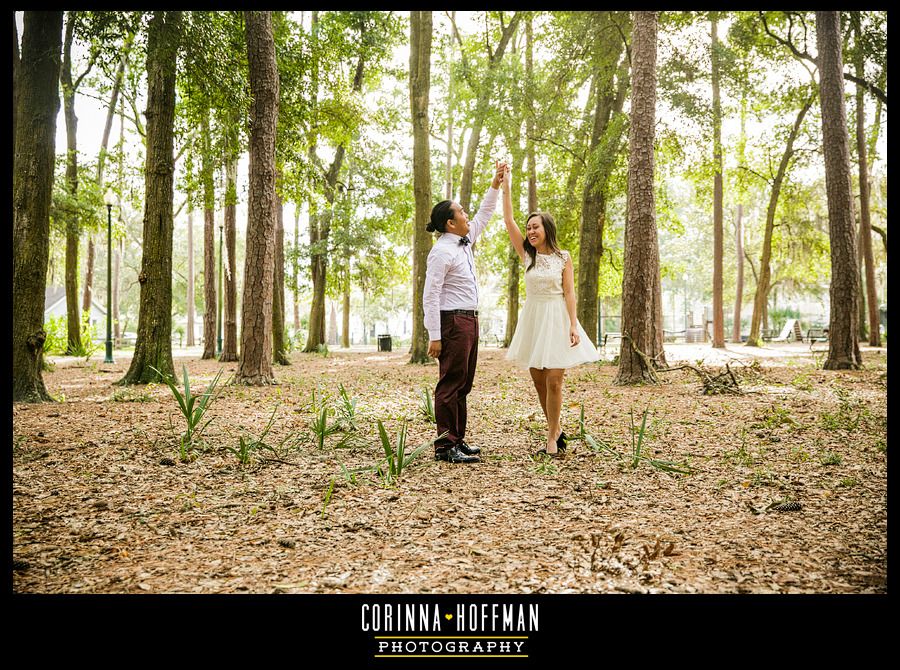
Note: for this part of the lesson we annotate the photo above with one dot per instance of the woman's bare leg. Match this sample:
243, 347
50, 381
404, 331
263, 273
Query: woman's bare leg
539, 377
554, 384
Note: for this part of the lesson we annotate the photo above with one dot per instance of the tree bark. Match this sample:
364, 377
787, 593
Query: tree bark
419, 91
345, 322
718, 232
154, 330
295, 274
255, 367
865, 221
279, 355
73, 234
739, 283
229, 290
760, 300
641, 306
209, 247
189, 299
37, 105
17, 61
512, 258
843, 343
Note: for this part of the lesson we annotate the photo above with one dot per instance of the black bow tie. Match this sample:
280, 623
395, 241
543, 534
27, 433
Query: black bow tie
464, 239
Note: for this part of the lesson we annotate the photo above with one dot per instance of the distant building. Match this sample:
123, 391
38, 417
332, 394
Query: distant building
55, 307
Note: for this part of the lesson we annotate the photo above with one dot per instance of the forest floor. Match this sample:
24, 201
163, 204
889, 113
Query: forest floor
102, 503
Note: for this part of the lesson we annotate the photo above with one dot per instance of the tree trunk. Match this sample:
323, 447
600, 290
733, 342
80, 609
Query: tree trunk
295, 274
319, 231
17, 61
189, 307
739, 284
209, 249
278, 351
641, 307
88, 293
209, 287
73, 236
760, 300
419, 91
37, 105
345, 324
117, 268
843, 345
255, 366
120, 246
154, 330
512, 258
718, 233
111, 110
865, 221
229, 290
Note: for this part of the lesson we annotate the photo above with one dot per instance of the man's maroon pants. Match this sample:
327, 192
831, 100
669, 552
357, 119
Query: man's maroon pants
459, 354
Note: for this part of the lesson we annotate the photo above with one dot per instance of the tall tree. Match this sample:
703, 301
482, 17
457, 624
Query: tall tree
739, 227
73, 233
641, 348
374, 31
229, 289
843, 342
718, 233
865, 222
420, 28
763, 281
154, 332
483, 90
295, 269
279, 355
607, 132
255, 366
207, 189
36, 95
190, 275
451, 92
114, 98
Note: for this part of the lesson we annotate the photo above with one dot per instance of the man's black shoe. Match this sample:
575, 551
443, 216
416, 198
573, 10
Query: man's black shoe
455, 455
468, 450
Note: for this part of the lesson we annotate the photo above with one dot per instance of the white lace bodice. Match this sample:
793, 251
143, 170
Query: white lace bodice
545, 278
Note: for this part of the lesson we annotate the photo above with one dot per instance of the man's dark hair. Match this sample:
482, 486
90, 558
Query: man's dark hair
440, 213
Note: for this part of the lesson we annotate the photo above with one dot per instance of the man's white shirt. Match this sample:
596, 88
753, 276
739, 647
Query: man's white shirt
450, 281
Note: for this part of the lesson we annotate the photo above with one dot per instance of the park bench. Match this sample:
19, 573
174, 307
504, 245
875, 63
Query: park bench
816, 334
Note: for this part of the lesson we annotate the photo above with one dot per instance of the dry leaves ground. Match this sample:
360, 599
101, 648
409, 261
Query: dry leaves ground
102, 503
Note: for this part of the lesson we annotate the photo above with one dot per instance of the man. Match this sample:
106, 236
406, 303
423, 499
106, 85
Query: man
451, 317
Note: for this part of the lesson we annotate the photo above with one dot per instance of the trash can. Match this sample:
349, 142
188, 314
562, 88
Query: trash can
384, 343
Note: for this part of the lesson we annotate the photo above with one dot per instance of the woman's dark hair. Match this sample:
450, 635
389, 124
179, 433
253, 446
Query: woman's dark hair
440, 213
549, 233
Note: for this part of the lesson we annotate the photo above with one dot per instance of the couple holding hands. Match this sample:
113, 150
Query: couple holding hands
548, 337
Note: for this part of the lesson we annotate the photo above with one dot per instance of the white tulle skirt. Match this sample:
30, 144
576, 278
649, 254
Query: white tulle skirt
541, 339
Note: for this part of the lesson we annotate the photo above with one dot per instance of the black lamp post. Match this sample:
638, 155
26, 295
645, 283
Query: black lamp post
109, 199
219, 301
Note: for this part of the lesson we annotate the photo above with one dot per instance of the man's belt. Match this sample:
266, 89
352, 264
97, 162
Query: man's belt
464, 312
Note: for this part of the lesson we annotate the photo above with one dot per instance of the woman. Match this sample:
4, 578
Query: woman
548, 337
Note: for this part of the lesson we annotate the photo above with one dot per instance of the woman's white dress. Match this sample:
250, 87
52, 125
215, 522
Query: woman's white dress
541, 339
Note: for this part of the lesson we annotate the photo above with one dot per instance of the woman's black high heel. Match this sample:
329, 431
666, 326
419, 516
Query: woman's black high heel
561, 441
